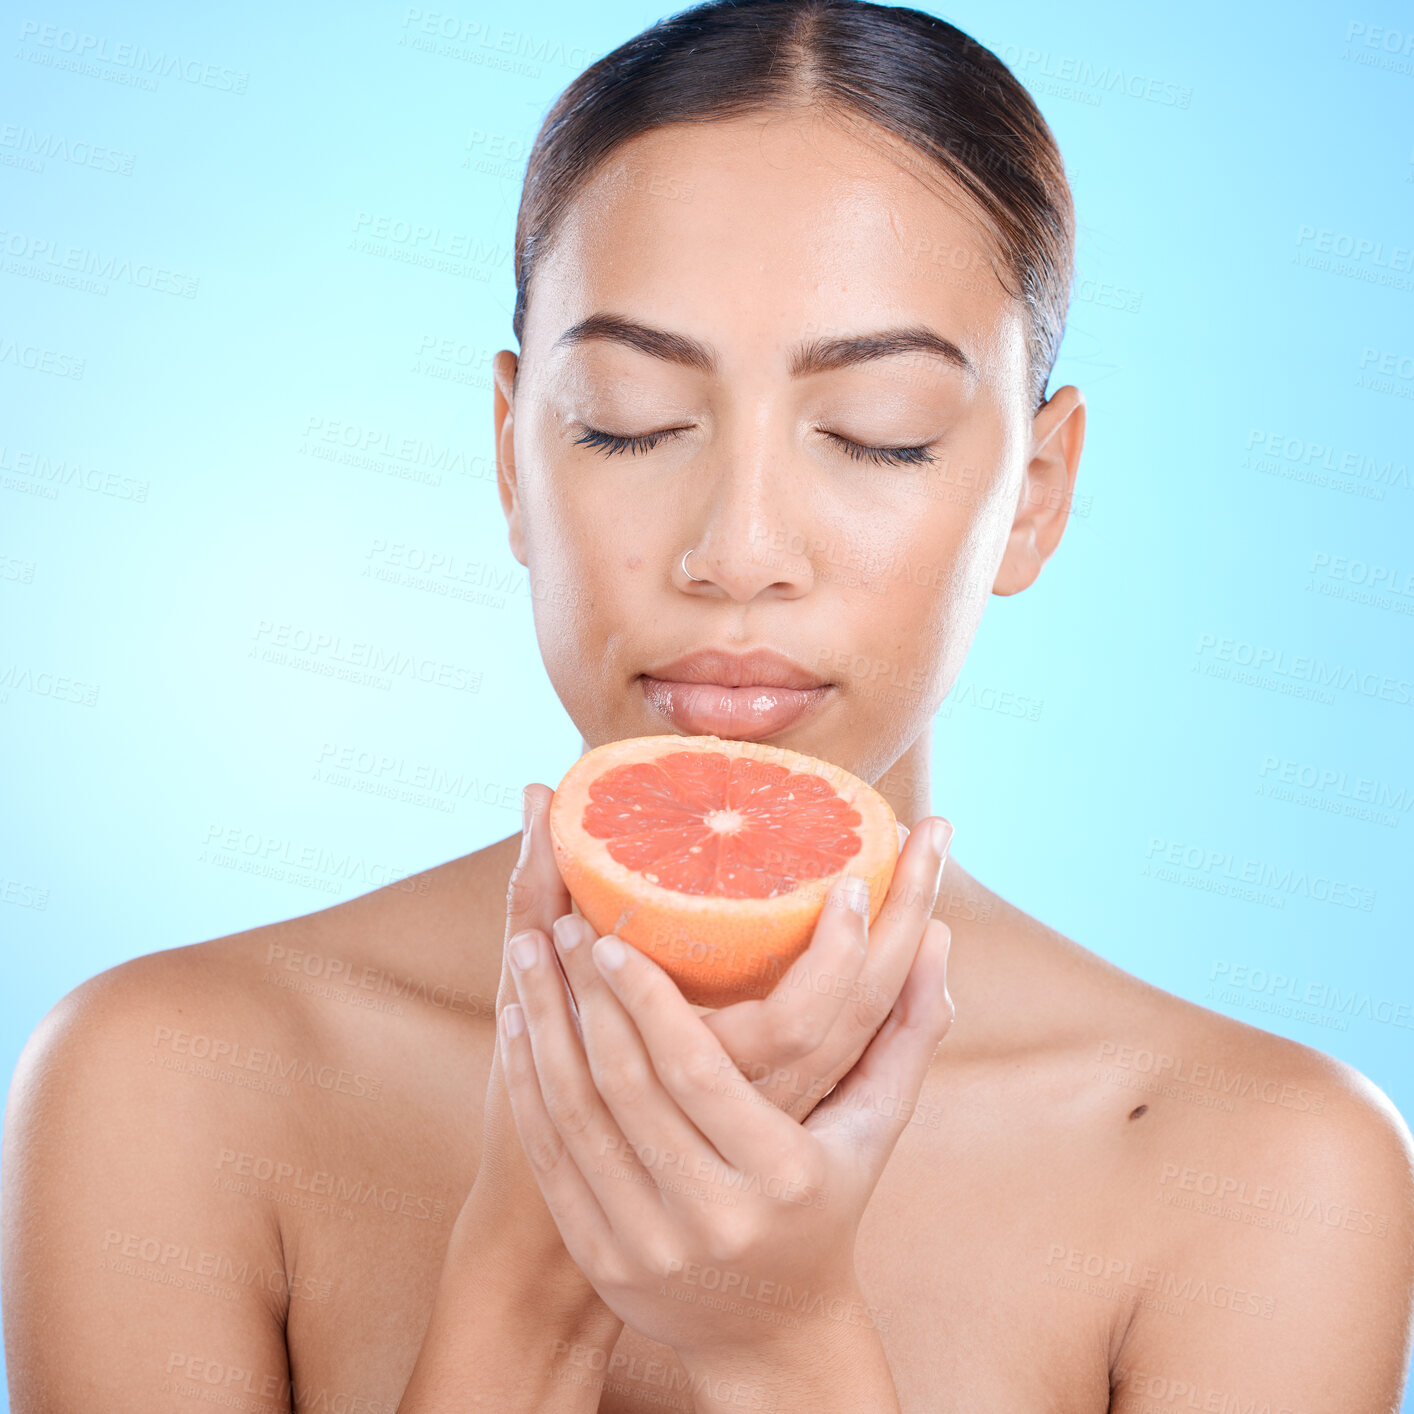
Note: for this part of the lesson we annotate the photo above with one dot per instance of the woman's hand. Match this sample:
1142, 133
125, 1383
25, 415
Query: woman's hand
701, 1212
798, 1041
504, 1212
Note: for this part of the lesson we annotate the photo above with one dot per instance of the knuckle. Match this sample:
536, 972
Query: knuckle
523, 891
613, 1272
625, 1084
868, 1009
695, 1071
662, 1255
731, 1242
796, 1033
572, 1114
546, 1152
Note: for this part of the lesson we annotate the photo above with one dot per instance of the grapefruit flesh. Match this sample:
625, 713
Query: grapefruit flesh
713, 856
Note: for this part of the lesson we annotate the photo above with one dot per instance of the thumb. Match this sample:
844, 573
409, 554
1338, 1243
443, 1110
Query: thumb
870, 1108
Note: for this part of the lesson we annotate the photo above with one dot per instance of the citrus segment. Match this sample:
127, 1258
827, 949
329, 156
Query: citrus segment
715, 856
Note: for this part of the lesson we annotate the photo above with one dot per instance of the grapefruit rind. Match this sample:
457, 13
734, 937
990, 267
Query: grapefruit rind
716, 949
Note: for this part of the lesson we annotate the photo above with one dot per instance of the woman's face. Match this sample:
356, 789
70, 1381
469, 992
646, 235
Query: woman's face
750, 255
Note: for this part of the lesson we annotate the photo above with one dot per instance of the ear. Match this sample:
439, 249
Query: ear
503, 372
1057, 435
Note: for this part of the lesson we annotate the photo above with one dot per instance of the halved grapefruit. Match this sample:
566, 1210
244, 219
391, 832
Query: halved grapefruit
714, 857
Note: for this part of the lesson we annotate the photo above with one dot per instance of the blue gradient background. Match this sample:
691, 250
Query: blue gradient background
164, 514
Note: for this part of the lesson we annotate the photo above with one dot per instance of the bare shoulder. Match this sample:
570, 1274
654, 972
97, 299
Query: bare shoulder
1266, 1237
119, 1246
1245, 1090
239, 1009
129, 1237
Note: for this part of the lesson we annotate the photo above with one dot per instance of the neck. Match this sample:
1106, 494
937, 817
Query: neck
907, 784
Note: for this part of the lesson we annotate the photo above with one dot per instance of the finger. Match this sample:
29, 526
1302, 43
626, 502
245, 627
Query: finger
748, 1132
766, 1037
624, 1073
872, 1106
536, 894
897, 931
797, 1082
581, 1116
584, 1226
532, 892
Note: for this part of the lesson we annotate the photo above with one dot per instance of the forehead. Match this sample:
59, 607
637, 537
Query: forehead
772, 226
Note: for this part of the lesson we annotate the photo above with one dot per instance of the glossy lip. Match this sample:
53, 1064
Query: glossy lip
735, 713
762, 667
741, 696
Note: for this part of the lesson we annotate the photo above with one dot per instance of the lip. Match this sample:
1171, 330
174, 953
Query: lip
762, 667
739, 696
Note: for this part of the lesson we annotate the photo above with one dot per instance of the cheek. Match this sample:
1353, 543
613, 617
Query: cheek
590, 573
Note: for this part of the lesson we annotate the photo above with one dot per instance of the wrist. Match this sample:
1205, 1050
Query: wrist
526, 1273
508, 1332
820, 1354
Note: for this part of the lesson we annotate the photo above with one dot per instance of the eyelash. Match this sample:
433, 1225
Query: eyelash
610, 445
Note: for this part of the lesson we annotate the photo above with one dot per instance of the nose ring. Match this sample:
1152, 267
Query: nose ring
688, 572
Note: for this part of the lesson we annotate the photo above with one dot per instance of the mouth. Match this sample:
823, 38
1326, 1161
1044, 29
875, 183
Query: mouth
745, 697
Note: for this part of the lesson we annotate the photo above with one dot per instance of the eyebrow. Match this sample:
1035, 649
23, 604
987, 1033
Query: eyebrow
814, 356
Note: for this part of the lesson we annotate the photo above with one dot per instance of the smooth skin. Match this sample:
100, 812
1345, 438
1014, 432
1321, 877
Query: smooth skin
291, 1154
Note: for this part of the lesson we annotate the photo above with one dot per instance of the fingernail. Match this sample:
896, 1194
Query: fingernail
525, 950
566, 931
854, 890
609, 952
902, 832
513, 1019
940, 836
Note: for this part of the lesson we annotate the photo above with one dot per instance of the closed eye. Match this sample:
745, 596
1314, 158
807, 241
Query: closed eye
610, 444
895, 456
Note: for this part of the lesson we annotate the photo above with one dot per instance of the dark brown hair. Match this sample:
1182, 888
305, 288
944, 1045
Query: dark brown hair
910, 73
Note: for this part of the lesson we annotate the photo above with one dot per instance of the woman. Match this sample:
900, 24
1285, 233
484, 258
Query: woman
792, 275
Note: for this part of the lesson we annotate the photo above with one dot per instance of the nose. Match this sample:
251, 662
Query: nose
750, 544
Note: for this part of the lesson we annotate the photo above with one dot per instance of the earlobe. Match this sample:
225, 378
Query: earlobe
503, 372
1047, 489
